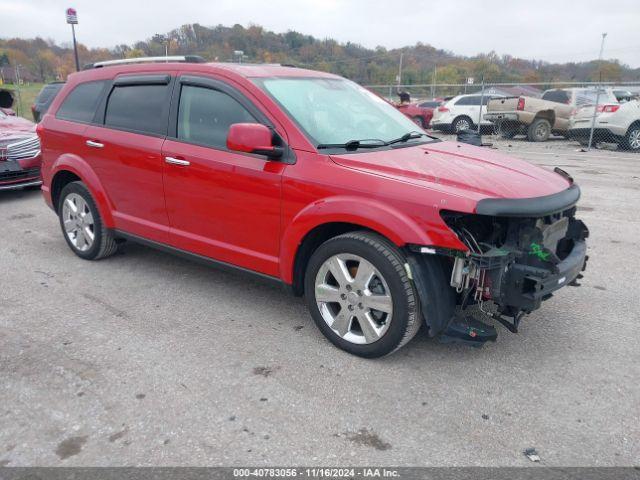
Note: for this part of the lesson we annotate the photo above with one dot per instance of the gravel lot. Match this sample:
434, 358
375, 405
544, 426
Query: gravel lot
148, 359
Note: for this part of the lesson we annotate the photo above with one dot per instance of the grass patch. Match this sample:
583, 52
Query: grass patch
24, 96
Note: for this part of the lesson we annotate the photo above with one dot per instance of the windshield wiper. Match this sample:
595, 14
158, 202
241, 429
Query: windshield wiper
355, 144
406, 137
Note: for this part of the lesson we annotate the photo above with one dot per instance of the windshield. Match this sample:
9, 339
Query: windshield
337, 111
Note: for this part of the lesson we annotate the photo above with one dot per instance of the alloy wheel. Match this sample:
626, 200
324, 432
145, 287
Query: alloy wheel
634, 139
78, 222
462, 124
354, 299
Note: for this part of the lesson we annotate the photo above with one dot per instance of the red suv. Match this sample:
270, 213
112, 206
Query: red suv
309, 180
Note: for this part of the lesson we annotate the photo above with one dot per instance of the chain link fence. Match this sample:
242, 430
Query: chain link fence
590, 114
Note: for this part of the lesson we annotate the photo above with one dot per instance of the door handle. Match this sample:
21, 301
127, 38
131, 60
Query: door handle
93, 144
177, 161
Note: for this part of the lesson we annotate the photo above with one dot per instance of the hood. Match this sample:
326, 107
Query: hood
459, 169
16, 127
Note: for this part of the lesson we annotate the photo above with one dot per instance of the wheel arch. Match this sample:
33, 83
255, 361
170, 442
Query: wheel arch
458, 117
633, 124
69, 168
549, 115
331, 217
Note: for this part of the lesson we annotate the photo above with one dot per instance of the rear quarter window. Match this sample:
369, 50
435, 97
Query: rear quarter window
80, 104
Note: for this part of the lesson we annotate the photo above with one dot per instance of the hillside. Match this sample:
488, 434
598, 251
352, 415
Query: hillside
43, 60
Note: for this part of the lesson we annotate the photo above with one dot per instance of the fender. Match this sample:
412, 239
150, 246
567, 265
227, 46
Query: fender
372, 214
78, 166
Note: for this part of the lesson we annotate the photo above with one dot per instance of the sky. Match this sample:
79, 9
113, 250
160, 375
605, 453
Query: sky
551, 30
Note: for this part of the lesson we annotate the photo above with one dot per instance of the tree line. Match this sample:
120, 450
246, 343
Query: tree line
40, 60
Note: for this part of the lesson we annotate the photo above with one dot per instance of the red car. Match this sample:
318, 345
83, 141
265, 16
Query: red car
308, 180
19, 153
420, 112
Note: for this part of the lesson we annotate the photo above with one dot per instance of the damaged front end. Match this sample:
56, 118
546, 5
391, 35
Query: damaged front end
520, 252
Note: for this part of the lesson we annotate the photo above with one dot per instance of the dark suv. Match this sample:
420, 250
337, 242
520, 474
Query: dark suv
44, 99
309, 180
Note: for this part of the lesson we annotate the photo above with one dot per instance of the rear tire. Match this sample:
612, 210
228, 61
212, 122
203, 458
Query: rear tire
419, 121
461, 123
82, 225
339, 303
539, 130
631, 140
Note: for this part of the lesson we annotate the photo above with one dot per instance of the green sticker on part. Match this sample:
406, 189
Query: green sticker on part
539, 252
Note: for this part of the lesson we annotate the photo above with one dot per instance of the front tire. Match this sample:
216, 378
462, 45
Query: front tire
360, 296
82, 225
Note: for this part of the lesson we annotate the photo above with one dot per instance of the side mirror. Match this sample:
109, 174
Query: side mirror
253, 138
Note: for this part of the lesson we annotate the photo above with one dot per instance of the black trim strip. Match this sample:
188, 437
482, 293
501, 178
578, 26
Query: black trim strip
142, 80
530, 207
229, 267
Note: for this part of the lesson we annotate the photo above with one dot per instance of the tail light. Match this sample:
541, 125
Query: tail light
443, 109
520, 104
608, 108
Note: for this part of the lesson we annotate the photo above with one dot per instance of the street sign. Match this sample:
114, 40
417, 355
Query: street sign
72, 16
470, 81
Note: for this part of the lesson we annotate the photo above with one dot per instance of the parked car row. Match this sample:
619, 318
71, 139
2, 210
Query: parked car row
569, 112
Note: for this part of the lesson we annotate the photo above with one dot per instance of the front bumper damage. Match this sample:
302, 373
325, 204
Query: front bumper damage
520, 253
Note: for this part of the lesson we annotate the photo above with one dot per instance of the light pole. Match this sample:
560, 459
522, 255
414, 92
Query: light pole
72, 19
595, 108
400, 72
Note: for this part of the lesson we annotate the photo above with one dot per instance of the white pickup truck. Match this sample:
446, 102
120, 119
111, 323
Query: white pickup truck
538, 118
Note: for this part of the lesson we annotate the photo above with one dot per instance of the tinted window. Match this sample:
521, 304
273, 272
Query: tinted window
558, 96
430, 104
205, 115
46, 94
466, 101
80, 105
140, 108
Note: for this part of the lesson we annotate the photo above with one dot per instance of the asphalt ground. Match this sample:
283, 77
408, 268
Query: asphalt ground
148, 359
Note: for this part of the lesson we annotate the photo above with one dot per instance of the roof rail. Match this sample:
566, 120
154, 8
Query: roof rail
126, 61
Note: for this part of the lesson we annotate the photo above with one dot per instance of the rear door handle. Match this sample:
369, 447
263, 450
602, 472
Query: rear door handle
93, 144
177, 161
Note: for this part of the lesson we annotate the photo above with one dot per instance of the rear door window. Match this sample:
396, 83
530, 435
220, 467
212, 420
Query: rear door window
138, 108
205, 115
80, 105
467, 101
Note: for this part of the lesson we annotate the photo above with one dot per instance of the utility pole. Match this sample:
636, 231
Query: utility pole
598, 88
433, 81
72, 19
400, 72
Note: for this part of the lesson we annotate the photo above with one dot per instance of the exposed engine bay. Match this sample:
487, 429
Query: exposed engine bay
512, 265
